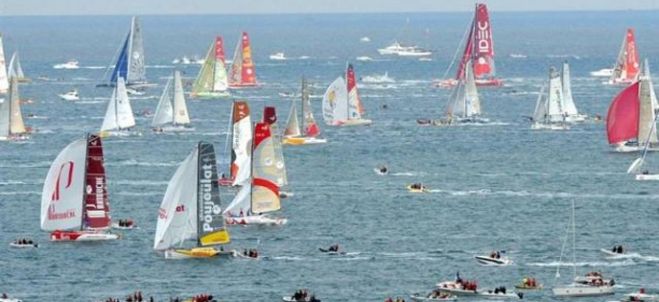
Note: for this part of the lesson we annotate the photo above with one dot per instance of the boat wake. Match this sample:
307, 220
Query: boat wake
488, 192
627, 262
132, 162
404, 174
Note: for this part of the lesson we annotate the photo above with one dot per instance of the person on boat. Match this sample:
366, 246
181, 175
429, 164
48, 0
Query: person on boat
241, 214
383, 169
334, 248
498, 256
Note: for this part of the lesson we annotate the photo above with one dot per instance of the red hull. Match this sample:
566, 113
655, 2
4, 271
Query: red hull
65, 235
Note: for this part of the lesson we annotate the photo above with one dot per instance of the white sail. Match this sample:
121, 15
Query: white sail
15, 69
457, 101
62, 195
280, 163
119, 114
4, 80
241, 203
555, 97
220, 78
4, 117
16, 125
569, 107
265, 174
354, 104
180, 109
540, 107
646, 73
177, 216
647, 128
136, 69
335, 102
164, 112
472, 101
292, 124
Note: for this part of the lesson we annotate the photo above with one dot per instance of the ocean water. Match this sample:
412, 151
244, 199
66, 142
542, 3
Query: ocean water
498, 186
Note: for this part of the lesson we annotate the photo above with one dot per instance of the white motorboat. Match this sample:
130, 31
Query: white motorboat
70, 96
255, 219
604, 73
20, 245
404, 51
279, 56
364, 59
72, 64
577, 290
495, 261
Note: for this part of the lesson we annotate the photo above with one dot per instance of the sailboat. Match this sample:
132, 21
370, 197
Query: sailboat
242, 72
637, 165
212, 79
630, 116
464, 105
191, 209
172, 114
626, 68
579, 288
479, 49
119, 119
341, 103
292, 132
130, 61
11, 118
4, 79
74, 200
15, 69
270, 118
240, 142
261, 194
569, 108
549, 112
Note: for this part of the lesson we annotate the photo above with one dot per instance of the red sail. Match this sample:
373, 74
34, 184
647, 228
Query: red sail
248, 76
466, 55
622, 119
97, 207
352, 84
219, 49
631, 56
483, 47
312, 130
261, 132
269, 115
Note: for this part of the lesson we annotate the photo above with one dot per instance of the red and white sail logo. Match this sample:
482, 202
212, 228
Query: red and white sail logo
483, 41
67, 168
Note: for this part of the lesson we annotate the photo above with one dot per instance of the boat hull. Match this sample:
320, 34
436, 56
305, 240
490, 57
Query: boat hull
626, 148
419, 297
353, 122
450, 83
255, 220
66, 236
210, 95
23, 246
582, 291
302, 140
542, 126
199, 252
70, 98
647, 176
413, 190
493, 261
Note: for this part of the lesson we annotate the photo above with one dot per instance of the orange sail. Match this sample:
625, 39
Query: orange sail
627, 65
242, 73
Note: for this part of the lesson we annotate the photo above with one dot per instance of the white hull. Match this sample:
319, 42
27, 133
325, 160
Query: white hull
91, 237
23, 246
10, 300
542, 126
255, 220
290, 299
116, 225
354, 122
610, 253
414, 53
582, 291
623, 148
120, 133
576, 118
605, 73
418, 297
69, 97
485, 260
173, 129
647, 177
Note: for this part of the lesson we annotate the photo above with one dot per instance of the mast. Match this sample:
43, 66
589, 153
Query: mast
304, 95
574, 240
199, 203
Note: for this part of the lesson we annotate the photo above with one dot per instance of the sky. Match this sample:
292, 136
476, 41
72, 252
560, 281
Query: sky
167, 7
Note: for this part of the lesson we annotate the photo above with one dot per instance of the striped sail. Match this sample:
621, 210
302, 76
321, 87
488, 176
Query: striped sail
242, 68
241, 145
130, 62
212, 76
265, 191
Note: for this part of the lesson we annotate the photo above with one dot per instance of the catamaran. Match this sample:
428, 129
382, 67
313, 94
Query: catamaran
130, 61
15, 70
578, 288
464, 105
341, 103
119, 119
627, 66
172, 114
11, 118
292, 132
74, 201
261, 194
240, 142
549, 108
242, 72
191, 209
212, 79
631, 114
479, 49
4, 79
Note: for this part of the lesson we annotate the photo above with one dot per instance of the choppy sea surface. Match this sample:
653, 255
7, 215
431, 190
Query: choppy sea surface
496, 186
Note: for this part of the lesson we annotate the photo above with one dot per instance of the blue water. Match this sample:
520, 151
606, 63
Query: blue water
500, 186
